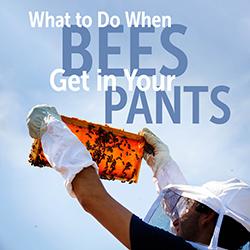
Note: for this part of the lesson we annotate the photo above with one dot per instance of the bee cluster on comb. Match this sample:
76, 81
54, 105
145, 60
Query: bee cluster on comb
117, 153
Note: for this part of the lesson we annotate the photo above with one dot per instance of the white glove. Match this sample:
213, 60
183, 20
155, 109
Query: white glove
65, 153
164, 168
38, 117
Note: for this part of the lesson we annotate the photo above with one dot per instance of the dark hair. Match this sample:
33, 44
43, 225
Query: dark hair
233, 235
201, 208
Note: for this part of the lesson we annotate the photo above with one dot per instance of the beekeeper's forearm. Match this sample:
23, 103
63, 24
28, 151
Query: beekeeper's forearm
95, 200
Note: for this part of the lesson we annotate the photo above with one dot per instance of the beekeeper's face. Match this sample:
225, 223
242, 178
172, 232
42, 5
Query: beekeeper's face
188, 225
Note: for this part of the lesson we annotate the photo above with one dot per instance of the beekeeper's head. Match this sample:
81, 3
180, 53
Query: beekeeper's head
216, 214
193, 220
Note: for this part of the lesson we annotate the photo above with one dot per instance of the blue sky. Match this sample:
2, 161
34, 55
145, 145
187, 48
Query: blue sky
36, 212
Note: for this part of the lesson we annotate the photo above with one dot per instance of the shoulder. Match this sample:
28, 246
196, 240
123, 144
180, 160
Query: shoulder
144, 236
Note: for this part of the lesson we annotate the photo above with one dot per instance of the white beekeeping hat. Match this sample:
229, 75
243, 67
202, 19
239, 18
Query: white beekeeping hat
230, 198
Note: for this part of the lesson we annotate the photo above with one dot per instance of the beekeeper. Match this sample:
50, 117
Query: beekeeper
213, 216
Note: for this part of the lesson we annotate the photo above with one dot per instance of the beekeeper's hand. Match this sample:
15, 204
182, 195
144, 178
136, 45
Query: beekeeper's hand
38, 118
61, 147
165, 170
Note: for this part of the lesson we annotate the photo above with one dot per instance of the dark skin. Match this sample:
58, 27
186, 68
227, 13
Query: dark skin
203, 223
93, 197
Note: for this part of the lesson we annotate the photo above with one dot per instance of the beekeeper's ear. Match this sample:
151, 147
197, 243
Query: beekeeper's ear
208, 219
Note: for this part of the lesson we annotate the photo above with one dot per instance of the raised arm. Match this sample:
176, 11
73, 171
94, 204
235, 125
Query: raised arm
93, 197
165, 169
67, 155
